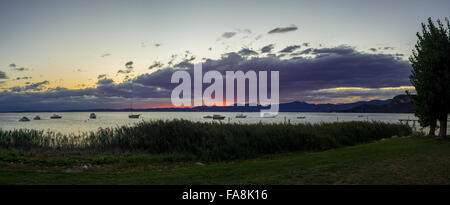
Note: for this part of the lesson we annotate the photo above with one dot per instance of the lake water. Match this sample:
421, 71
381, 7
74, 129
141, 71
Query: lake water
77, 122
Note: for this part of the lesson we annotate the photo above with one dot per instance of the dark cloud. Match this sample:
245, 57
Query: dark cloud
373, 49
183, 64
290, 49
105, 81
343, 67
156, 64
172, 59
340, 50
283, 29
305, 44
20, 69
268, 48
388, 48
227, 35
306, 51
13, 66
105, 55
129, 64
124, 71
112, 96
247, 52
23, 78
58, 89
186, 61
101, 76
302, 78
129, 68
31, 87
306, 79
157, 45
322, 52
3, 75
188, 57
244, 31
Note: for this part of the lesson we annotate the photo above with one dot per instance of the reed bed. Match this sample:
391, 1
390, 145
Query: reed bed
207, 141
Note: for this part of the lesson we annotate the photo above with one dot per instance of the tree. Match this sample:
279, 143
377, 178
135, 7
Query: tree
431, 75
422, 111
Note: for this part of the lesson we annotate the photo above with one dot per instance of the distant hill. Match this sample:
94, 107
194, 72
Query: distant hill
306, 107
284, 107
399, 104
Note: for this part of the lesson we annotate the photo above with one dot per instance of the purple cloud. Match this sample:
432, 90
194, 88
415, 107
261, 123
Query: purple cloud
301, 78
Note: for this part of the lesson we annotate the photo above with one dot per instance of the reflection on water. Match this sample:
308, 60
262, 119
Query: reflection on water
76, 122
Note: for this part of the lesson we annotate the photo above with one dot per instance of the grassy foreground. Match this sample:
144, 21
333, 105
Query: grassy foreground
411, 160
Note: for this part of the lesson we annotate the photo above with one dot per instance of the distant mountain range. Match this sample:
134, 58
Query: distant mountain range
399, 104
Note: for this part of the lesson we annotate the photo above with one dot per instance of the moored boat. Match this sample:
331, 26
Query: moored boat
24, 119
218, 117
134, 116
241, 116
269, 115
55, 116
92, 116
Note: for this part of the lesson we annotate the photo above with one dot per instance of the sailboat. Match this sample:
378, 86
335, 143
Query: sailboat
134, 116
269, 115
218, 117
55, 116
241, 116
24, 119
131, 115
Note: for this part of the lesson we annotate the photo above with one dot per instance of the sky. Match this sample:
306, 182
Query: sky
73, 54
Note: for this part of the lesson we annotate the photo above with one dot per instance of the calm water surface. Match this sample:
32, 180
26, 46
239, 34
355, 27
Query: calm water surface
78, 122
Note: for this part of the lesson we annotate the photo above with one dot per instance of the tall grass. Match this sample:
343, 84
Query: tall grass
208, 141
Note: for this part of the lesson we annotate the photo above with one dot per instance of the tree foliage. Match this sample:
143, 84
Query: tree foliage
431, 74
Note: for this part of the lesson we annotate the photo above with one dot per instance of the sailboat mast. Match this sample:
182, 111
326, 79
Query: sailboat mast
129, 77
132, 96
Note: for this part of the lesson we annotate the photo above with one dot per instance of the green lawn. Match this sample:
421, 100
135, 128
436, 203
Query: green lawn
413, 160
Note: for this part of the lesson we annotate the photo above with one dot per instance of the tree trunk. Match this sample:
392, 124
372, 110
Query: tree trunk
432, 130
443, 126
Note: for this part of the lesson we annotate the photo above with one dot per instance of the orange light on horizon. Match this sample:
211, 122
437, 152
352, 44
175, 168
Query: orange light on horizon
217, 104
